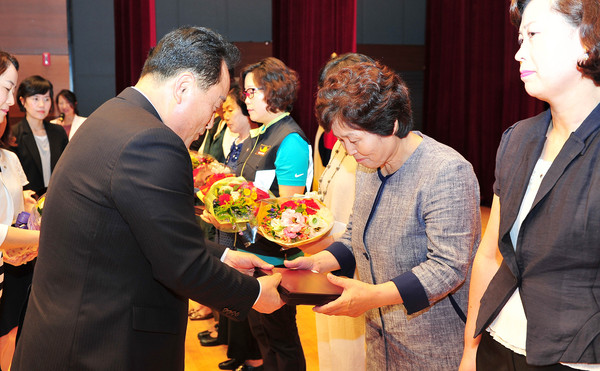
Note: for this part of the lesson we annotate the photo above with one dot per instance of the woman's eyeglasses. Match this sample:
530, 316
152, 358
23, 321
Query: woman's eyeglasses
249, 93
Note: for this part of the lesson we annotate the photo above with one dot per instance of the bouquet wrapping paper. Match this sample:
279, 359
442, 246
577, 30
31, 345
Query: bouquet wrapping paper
235, 201
35, 217
212, 179
293, 221
204, 166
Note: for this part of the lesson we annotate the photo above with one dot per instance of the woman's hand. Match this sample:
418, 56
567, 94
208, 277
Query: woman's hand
20, 256
20, 246
322, 262
304, 263
317, 246
29, 200
467, 363
359, 297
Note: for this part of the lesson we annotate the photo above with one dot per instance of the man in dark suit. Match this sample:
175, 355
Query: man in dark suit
120, 251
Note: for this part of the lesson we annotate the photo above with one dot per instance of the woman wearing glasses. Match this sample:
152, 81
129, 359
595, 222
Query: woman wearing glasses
276, 157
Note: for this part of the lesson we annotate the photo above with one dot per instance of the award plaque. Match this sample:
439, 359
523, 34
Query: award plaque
304, 287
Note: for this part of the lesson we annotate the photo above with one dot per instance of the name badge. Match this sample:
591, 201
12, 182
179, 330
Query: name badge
262, 150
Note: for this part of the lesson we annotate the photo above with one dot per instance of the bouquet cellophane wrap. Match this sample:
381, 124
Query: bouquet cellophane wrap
245, 205
319, 226
212, 179
35, 215
204, 166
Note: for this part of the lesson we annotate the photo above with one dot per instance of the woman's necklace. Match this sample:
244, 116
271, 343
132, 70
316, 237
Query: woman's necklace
323, 191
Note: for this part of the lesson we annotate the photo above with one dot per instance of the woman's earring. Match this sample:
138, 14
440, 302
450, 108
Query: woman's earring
586, 56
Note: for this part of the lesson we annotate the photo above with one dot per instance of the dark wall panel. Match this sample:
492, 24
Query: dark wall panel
237, 20
390, 30
390, 22
93, 56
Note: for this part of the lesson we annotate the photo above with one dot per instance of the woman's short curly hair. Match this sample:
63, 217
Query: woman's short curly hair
279, 83
582, 14
365, 96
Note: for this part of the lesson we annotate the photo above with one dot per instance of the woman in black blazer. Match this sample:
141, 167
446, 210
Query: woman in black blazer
39, 143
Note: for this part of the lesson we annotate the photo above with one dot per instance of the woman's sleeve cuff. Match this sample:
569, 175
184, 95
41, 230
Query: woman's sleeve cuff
412, 292
345, 259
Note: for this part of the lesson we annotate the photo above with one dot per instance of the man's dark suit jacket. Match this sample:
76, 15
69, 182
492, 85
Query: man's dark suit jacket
120, 251
29, 154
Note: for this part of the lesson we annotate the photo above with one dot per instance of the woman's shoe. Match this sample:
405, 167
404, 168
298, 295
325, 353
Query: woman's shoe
203, 333
230, 364
209, 341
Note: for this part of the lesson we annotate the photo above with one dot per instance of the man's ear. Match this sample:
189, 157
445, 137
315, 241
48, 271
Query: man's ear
184, 82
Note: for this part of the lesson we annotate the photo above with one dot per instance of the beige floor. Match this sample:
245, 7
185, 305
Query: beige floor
198, 358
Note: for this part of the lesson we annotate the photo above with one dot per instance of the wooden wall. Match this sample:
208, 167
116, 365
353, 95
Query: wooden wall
29, 28
252, 52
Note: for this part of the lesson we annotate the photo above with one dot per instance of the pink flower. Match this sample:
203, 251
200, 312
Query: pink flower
289, 234
295, 228
288, 217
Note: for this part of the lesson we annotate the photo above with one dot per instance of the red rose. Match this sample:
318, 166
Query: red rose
289, 205
311, 211
224, 198
309, 202
311, 206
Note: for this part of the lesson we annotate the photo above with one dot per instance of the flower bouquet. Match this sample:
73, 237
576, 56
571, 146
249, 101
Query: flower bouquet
35, 217
212, 179
22, 255
233, 201
293, 221
204, 166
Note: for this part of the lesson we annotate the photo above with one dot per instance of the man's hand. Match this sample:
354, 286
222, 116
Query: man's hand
245, 262
269, 299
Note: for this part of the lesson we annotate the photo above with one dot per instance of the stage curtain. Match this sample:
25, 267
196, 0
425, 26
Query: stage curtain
135, 34
305, 34
472, 87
